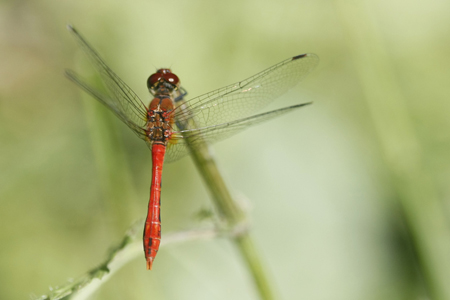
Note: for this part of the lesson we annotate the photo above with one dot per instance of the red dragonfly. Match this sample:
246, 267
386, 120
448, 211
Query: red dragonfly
172, 126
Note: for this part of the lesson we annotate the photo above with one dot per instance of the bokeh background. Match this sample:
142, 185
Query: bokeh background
348, 198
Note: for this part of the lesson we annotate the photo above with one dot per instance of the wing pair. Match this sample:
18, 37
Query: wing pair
213, 116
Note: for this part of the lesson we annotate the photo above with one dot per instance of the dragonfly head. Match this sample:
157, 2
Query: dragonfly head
163, 82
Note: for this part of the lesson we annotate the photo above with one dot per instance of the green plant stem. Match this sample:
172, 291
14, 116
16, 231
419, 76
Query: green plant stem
221, 196
424, 213
251, 258
233, 216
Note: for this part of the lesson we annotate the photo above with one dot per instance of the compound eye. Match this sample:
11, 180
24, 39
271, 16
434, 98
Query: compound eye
171, 78
153, 80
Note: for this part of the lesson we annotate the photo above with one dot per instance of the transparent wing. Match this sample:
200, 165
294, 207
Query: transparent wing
178, 144
106, 100
244, 98
121, 99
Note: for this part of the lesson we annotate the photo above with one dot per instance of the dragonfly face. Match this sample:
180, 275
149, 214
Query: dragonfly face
163, 82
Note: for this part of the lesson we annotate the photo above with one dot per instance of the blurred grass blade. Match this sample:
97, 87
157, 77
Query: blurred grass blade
422, 208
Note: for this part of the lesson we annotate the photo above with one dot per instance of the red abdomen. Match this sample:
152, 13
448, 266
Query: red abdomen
152, 229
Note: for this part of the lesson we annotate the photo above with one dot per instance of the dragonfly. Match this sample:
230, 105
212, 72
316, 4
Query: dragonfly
172, 126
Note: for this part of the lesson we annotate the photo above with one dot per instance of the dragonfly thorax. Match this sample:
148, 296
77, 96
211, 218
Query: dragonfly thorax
159, 120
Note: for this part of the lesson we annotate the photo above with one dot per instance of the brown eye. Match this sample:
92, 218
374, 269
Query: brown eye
171, 78
153, 79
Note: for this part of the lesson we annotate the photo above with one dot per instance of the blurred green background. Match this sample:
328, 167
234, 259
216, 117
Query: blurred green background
348, 197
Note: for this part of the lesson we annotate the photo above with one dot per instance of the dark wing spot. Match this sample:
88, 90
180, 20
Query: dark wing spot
299, 56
